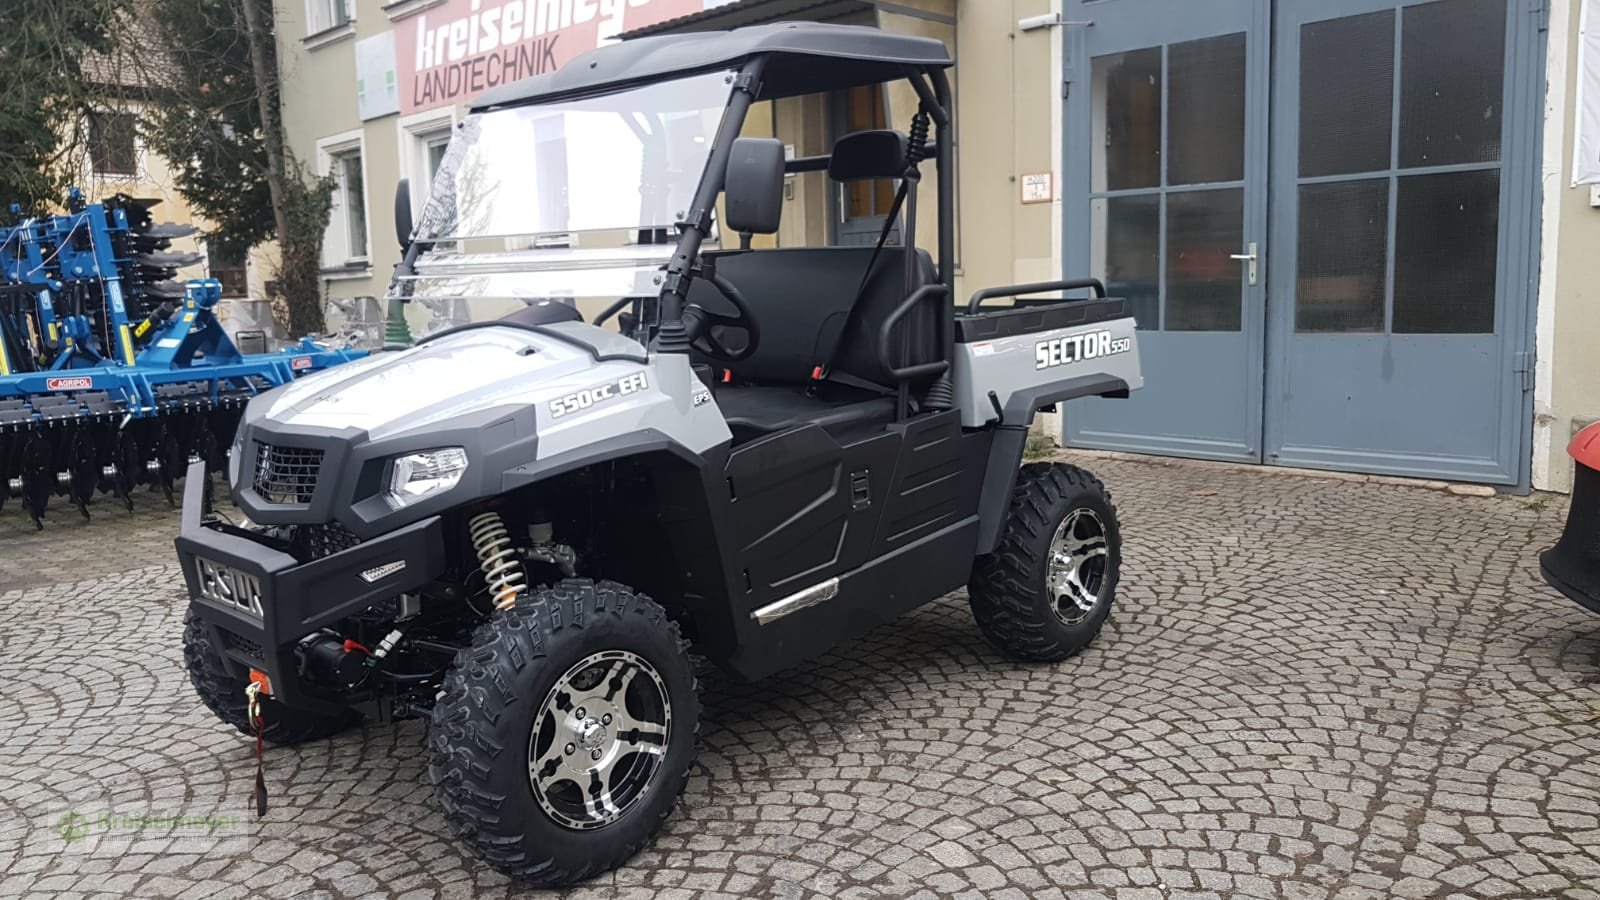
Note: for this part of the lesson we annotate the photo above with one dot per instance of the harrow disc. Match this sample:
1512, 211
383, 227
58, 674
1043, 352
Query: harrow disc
10, 464
169, 462
10, 449
38, 476
83, 469
203, 444
105, 455
127, 467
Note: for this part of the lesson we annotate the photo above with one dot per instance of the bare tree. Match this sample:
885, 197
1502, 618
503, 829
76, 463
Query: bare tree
50, 94
218, 123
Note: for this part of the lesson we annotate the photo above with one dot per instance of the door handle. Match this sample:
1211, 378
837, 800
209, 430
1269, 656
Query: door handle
1249, 258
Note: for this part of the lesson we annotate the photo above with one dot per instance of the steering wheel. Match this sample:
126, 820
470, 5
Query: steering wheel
701, 323
606, 314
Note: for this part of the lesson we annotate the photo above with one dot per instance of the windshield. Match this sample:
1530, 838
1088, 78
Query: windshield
628, 160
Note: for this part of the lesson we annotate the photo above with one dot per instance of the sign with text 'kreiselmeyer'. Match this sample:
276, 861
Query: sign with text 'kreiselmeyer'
452, 52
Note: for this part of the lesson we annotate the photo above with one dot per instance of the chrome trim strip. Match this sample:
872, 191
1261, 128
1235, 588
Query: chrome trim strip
797, 601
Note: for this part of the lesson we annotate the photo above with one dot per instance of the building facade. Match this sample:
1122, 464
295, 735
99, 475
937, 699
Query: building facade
1348, 228
109, 156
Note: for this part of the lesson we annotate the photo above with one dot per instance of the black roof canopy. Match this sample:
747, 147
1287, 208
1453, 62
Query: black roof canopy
803, 58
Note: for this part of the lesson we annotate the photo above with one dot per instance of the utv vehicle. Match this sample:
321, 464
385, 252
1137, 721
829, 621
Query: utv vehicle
522, 527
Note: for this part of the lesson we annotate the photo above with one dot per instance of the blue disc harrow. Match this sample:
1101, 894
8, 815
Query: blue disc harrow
113, 375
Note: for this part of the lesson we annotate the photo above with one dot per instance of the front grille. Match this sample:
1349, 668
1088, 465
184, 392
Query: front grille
287, 474
311, 542
243, 646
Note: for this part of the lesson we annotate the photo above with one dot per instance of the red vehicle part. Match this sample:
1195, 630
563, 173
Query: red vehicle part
1572, 566
1585, 447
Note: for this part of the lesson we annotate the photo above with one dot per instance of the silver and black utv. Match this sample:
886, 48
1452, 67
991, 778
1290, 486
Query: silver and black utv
522, 527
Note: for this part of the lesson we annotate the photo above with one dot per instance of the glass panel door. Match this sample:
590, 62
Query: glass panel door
1172, 111
1382, 324
1390, 353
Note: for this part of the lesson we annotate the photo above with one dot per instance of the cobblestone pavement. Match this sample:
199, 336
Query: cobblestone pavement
69, 549
1310, 688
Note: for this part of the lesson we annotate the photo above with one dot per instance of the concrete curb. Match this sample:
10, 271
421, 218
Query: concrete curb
1450, 487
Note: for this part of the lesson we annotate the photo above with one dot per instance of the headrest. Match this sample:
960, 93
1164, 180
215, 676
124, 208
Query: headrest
868, 154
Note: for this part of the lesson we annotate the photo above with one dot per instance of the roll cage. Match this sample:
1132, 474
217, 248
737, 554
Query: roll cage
770, 62
933, 90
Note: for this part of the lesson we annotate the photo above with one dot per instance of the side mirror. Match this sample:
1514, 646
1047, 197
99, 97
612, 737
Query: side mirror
753, 192
402, 213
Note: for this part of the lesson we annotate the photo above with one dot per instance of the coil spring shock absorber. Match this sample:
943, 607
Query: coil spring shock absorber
501, 569
917, 140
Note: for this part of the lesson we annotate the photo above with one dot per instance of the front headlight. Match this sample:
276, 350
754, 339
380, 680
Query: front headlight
417, 475
235, 458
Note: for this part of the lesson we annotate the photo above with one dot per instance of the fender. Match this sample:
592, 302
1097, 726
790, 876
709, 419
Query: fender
635, 443
1011, 438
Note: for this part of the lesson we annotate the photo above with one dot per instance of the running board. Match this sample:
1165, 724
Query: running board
804, 599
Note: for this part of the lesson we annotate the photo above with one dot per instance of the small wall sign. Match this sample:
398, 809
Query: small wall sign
1036, 188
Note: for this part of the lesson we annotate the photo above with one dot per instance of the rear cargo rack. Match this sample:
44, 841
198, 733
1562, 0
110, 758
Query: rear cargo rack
1028, 315
1038, 287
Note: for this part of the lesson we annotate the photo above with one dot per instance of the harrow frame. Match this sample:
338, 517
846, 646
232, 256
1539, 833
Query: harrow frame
117, 377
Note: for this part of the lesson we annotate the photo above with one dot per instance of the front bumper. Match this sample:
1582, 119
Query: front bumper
295, 599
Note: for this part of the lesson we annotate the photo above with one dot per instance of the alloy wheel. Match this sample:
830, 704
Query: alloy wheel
1077, 565
599, 738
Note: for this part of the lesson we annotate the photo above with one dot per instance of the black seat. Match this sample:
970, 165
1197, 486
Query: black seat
818, 308
801, 296
753, 411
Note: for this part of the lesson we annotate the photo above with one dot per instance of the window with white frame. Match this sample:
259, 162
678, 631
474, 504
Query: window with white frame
326, 15
346, 242
423, 139
427, 152
433, 147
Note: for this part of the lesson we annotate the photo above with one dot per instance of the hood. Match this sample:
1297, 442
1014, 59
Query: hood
452, 375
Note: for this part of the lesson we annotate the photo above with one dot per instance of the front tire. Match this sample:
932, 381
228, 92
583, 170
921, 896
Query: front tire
564, 734
223, 694
1046, 591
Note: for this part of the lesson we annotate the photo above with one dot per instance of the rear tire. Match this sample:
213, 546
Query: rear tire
564, 734
1045, 593
223, 694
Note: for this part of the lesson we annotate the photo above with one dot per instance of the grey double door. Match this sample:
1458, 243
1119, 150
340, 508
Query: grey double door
1322, 212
